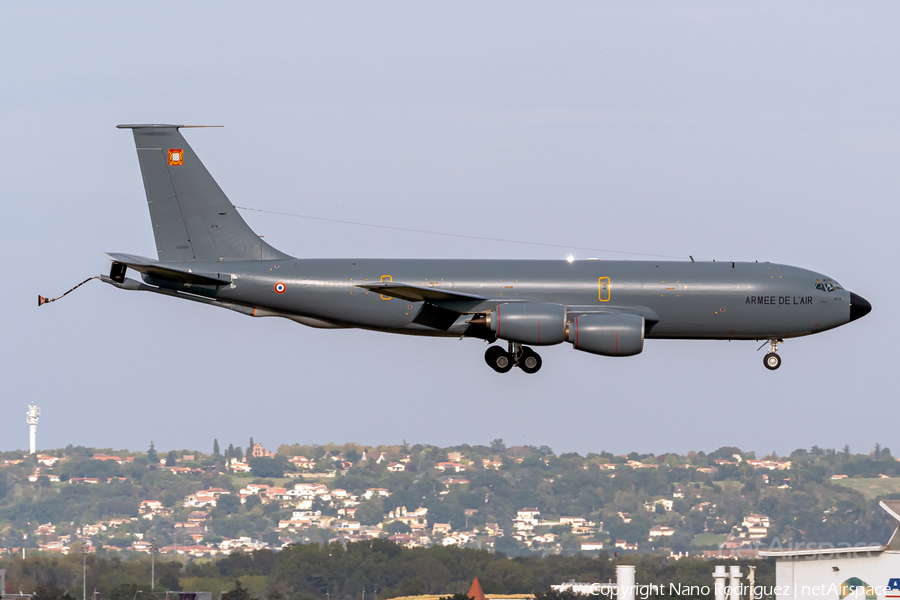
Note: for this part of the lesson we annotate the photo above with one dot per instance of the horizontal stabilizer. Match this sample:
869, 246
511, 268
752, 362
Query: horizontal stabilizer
159, 126
415, 293
148, 266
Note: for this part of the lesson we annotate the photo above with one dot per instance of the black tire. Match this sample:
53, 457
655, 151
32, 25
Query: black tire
772, 361
498, 359
531, 361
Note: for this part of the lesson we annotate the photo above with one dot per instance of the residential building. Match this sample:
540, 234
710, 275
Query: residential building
624, 545
666, 503
757, 526
658, 531
301, 462
450, 466
527, 519
417, 520
380, 492
441, 528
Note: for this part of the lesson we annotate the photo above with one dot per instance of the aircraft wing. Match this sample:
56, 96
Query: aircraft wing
416, 293
148, 266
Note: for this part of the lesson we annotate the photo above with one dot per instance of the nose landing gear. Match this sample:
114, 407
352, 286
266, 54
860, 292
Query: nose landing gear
771, 360
518, 355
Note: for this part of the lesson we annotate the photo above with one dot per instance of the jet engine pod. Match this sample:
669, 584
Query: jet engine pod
608, 334
536, 323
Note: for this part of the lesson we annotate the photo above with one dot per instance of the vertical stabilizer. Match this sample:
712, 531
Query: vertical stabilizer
192, 218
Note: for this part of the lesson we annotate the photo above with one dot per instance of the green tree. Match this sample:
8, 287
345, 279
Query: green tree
151, 454
171, 459
216, 447
228, 503
123, 591
370, 512
238, 593
397, 527
46, 592
264, 466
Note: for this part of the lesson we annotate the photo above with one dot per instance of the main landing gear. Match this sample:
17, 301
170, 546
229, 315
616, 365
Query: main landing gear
518, 355
771, 360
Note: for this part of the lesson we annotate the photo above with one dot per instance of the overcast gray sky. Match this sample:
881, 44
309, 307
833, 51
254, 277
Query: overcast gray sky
734, 131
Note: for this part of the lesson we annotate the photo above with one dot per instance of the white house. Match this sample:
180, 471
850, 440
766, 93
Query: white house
658, 531
450, 466
757, 526
666, 503
527, 519
381, 492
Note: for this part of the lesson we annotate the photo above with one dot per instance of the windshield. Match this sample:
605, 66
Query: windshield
828, 286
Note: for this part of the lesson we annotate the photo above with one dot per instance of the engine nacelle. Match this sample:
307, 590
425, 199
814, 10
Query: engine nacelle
536, 323
608, 334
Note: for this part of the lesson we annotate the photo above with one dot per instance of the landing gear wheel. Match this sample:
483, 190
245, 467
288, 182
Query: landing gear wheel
498, 359
530, 361
772, 361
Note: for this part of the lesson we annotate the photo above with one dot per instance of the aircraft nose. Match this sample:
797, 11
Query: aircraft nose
859, 307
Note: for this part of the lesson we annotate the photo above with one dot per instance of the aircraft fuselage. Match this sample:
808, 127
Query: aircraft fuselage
685, 300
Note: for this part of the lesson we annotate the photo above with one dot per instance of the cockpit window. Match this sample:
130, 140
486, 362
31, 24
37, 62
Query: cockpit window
829, 286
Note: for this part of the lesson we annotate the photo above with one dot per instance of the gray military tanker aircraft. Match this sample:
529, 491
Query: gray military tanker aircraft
207, 253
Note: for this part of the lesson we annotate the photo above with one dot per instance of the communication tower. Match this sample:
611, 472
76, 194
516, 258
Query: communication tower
32, 419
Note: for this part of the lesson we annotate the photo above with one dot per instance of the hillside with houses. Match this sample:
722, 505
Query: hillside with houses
518, 500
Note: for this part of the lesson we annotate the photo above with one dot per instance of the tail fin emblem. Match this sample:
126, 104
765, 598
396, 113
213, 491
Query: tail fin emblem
176, 157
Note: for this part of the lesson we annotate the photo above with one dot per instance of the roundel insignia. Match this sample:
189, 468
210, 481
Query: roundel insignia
280, 287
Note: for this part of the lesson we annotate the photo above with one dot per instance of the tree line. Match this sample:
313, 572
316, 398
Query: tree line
379, 568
